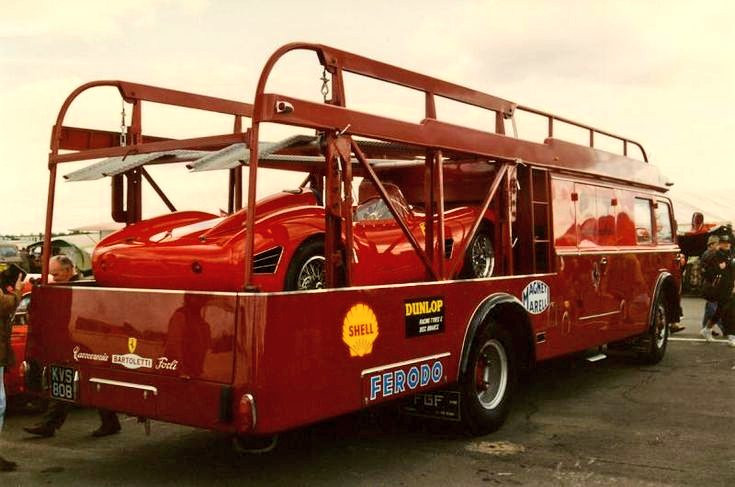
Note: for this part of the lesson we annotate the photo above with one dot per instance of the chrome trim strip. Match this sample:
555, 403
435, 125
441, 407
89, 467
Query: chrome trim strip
412, 285
129, 385
401, 364
601, 315
617, 251
141, 290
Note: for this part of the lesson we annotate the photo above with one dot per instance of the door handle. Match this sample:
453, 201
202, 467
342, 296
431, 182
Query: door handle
603, 261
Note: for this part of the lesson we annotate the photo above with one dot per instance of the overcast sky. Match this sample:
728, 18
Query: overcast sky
659, 72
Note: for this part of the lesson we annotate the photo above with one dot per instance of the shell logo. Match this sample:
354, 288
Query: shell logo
359, 330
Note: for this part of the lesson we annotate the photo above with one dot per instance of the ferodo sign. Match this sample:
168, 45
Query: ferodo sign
424, 316
536, 297
388, 382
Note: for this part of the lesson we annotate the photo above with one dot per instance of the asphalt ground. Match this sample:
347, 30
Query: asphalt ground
612, 422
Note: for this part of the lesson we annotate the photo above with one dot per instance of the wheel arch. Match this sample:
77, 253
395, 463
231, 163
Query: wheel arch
505, 309
667, 288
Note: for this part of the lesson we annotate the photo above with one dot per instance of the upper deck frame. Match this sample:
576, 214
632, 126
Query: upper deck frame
433, 139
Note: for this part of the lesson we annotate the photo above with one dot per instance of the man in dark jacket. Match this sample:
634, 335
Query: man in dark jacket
710, 271
722, 285
8, 301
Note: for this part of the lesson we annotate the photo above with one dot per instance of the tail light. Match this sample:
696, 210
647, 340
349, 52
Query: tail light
246, 413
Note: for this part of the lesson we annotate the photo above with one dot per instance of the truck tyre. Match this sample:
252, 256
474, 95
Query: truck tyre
656, 337
489, 380
306, 270
479, 259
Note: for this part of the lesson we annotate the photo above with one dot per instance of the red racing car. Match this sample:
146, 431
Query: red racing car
201, 251
15, 383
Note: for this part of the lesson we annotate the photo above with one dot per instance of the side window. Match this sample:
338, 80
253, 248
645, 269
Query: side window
586, 215
565, 231
664, 233
605, 217
643, 223
625, 224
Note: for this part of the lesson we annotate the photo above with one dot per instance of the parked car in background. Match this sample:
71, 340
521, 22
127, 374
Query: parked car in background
77, 247
11, 254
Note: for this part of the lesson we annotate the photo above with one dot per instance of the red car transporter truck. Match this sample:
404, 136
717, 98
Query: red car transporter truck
308, 305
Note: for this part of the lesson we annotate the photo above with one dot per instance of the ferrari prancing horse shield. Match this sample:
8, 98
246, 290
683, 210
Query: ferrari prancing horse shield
132, 343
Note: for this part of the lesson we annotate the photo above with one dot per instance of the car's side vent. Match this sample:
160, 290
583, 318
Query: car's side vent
448, 246
266, 262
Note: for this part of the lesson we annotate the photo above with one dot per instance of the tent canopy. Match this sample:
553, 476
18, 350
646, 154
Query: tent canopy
717, 206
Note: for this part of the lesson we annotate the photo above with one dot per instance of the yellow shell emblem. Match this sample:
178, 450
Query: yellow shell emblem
359, 330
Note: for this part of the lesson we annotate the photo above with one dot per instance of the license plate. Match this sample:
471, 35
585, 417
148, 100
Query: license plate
436, 404
63, 383
3, 266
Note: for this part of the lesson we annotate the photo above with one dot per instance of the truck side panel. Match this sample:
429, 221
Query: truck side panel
329, 352
305, 356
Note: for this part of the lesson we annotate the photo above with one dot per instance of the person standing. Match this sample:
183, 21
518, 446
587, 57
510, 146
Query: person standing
723, 285
61, 268
710, 271
8, 302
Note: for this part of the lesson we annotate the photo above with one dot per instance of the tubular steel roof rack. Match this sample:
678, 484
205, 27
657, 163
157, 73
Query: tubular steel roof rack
430, 139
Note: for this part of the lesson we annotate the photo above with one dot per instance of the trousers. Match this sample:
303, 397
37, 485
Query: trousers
58, 410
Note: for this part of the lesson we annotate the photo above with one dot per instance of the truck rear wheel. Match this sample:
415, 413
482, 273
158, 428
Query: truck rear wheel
489, 380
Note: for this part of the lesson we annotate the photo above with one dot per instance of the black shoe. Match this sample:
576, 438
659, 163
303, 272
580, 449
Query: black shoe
676, 328
106, 430
7, 466
42, 430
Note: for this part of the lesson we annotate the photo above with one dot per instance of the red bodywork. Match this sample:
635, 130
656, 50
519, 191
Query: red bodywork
583, 239
15, 383
200, 251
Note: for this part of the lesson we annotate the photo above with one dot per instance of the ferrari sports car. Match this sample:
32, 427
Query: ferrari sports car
201, 251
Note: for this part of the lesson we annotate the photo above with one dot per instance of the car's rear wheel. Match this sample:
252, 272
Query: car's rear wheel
307, 267
479, 258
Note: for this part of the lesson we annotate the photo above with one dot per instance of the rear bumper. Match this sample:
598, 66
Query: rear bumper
197, 403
